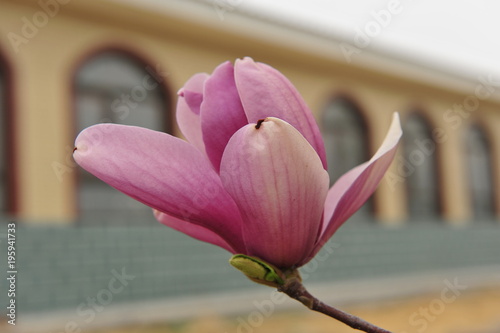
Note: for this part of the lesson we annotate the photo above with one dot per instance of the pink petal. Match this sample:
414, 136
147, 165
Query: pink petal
188, 109
265, 92
193, 230
163, 172
279, 184
352, 190
221, 112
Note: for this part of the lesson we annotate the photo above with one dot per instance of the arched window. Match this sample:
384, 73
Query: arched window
480, 178
3, 141
345, 137
421, 181
116, 87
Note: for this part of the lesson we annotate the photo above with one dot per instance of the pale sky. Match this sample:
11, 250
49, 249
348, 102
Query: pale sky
461, 36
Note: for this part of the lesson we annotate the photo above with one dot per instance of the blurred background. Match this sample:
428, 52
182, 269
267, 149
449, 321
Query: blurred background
423, 254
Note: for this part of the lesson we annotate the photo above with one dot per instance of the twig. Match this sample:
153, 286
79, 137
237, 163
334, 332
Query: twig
294, 288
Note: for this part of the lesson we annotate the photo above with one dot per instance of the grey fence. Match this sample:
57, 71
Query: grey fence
59, 267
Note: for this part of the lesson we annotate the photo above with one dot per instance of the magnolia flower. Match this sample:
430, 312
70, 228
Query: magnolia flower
251, 177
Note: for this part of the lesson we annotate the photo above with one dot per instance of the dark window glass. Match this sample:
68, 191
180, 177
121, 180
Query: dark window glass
3, 131
480, 178
114, 87
345, 137
420, 157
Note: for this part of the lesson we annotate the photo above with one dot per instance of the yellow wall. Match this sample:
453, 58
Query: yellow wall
45, 65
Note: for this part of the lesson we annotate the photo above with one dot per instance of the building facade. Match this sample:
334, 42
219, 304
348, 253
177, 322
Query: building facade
65, 65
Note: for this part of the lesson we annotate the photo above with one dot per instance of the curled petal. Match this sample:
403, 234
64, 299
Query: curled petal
163, 172
352, 190
279, 184
188, 109
192, 92
221, 112
193, 230
265, 92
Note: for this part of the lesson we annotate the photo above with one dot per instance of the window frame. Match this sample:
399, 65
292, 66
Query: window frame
139, 58
7, 112
488, 142
418, 113
362, 120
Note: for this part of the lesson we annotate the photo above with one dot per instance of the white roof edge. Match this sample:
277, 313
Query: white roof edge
255, 24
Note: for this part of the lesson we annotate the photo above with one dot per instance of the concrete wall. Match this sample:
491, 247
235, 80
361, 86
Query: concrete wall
59, 267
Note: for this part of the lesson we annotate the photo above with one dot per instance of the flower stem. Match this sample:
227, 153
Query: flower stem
294, 288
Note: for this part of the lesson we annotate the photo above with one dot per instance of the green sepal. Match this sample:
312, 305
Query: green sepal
257, 270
